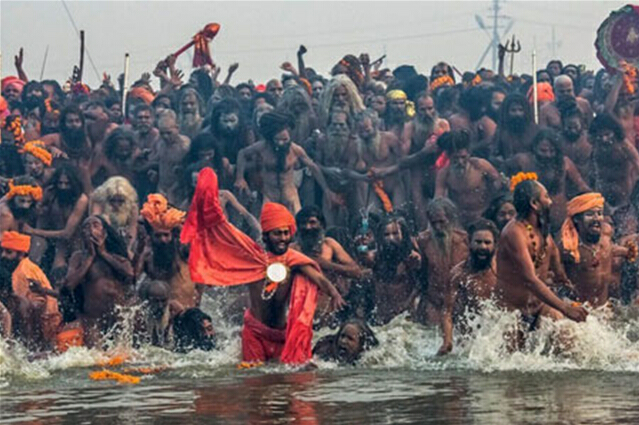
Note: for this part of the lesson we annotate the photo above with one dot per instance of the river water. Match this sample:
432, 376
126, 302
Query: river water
567, 374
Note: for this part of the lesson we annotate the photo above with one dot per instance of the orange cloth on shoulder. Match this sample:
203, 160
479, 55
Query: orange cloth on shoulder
222, 255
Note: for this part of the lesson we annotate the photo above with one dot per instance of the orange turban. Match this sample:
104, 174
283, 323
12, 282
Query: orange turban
37, 149
13, 81
141, 93
544, 93
157, 213
24, 190
16, 241
275, 216
577, 205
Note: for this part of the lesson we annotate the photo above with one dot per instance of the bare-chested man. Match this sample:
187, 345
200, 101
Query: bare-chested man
554, 170
63, 208
229, 128
526, 255
472, 281
621, 105
190, 114
549, 115
18, 206
467, 181
616, 161
396, 270
396, 115
587, 251
276, 157
332, 258
161, 257
441, 247
171, 151
577, 147
378, 149
104, 274
515, 129
147, 135
116, 158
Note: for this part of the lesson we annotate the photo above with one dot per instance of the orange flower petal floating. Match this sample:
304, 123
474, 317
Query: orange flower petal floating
108, 375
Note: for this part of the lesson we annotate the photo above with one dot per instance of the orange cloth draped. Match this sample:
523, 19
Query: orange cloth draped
16, 241
259, 342
577, 205
221, 255
142, 94
51, 317
545, 93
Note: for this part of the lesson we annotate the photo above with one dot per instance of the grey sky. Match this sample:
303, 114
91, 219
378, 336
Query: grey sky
261, 35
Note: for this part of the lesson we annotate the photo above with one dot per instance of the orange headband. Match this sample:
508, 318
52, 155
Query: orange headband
25, 190
36, 148
521, 177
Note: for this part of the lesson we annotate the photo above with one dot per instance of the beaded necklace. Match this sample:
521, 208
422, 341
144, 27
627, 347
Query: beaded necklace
537, 256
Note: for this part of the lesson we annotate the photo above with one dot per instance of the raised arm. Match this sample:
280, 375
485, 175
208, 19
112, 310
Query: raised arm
79, 266
232, 70
301, 67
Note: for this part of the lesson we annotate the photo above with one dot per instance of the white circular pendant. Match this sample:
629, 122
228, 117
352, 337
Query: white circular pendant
276, 272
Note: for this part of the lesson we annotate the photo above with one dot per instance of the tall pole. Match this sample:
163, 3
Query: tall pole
535, 94
495, 31
81, 55
44, 62
125, 85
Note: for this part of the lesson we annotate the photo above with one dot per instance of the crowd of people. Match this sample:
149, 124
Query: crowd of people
406, 194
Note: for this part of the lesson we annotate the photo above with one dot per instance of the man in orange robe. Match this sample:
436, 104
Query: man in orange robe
221, 255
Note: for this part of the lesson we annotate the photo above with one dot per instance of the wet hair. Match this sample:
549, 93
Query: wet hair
606, 122
454, 141
496, 204
272, 123
145, 288
111, 143
443, 204
75, 184
367, 338
114, 243
525, 192
481, 225
71, 109
187, 330
307, 212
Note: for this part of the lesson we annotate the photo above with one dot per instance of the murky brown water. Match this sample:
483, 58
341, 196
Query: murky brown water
329, 396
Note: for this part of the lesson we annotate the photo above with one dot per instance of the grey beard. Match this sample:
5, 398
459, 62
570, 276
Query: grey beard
444, 242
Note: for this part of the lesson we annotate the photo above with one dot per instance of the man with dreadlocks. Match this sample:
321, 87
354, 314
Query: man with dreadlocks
515, 128
276, 158
526, 255
104, 275
340, 95
190, 112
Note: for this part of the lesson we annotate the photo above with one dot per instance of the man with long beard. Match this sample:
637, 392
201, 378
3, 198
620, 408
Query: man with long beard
472, 280
467, 181
332, 258
515, 129
18, 207
189, 116
161, 256
64, 206
103, 274
276, 158
44, 315
577, 147
229, 128
73, 142
527, 254
442, 246
147, 135
587, 252
396, 270
397, 114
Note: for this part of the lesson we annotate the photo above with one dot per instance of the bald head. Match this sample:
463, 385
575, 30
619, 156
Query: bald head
563, 88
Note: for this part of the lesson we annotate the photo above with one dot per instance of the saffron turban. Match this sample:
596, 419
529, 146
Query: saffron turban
577, 205
37, 149
276, 216
142, 94
544, 93
159, 215
12, 81
16, 241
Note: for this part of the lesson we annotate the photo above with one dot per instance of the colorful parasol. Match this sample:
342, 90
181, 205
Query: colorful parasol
618, 39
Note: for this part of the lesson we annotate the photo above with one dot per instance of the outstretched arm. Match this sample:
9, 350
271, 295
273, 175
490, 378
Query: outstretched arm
71, 225
337, 302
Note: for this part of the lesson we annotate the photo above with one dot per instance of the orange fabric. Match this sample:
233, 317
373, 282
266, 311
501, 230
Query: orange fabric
12, 80
275, 216
71, 336
34, 191
142, 94
157, 213
37, 149
545, 93
577, 205
259, 342
3, 105
23, 274
221, 255
16, 241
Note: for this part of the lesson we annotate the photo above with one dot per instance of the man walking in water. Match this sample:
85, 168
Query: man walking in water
221, 255
527, 254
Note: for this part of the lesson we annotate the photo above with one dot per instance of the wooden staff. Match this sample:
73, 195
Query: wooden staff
125, 85
81, 56
535, 94
44, 62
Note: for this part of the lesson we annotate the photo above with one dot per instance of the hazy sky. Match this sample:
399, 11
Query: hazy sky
261, 35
